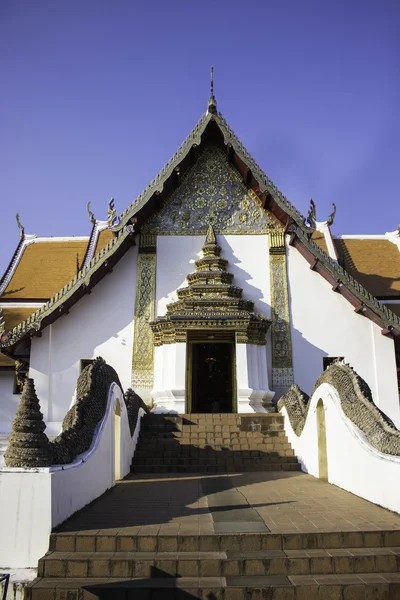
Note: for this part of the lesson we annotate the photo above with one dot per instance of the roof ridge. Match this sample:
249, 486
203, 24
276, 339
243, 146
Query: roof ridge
194, 137
157, 183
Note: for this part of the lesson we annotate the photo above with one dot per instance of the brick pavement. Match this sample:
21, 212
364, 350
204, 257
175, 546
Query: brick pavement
176, 504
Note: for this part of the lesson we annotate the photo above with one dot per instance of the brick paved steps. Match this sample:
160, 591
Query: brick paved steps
375, 586
220, 564
245, 542
166, 468
213, 443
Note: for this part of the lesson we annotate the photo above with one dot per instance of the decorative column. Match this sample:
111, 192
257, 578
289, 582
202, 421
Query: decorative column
143, 348
170, 378
253, 393
282, 365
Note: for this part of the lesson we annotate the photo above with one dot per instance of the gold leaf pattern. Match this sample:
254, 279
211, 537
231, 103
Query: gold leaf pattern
211, 189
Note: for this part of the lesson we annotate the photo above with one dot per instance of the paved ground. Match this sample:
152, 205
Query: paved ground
183, 504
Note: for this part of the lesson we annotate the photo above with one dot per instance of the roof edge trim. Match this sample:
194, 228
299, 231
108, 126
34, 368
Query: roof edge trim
20, 249
389, 319
34, 322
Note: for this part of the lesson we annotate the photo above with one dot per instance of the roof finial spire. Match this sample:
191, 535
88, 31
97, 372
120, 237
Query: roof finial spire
212, 103
20, 227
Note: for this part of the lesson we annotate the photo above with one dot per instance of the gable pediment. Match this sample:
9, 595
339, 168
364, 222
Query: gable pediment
213, 191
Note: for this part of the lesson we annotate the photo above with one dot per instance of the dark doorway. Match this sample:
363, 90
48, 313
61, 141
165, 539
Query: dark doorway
212, 377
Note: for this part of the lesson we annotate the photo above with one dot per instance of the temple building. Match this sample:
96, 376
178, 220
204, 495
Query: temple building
209, 293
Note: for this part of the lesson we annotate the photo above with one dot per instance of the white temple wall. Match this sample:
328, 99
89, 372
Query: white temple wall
100, 324
8, 400
323, 323
247, 257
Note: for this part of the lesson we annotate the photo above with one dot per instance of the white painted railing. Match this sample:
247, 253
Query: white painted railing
332, 447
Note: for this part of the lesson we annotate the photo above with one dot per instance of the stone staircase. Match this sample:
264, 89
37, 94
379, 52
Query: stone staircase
114, 562
330, 566
213, 443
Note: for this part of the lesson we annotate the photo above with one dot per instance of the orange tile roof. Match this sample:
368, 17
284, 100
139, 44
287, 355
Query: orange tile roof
5, 361
44, 268
319, 238
14, 316
105, 236
375, 263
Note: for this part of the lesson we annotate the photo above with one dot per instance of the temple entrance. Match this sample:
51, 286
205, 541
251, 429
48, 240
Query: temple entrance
211, 376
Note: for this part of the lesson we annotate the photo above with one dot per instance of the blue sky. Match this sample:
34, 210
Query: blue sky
98, 94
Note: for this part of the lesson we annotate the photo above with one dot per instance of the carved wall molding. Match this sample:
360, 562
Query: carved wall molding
143, 347
281, 340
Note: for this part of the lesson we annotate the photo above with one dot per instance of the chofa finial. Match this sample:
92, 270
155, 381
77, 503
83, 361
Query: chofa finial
20, 227
212, 103
312, 214
112, 218
332, 215
92, 218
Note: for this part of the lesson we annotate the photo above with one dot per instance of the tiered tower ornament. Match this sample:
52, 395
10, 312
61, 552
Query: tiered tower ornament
210, 301
29, 445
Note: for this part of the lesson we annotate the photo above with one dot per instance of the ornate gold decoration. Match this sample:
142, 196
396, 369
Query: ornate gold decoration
211, 189
143, 350
282, 366
210, 302
147, 240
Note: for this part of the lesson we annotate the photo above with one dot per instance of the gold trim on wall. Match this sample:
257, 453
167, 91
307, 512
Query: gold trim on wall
143, 347
281, 340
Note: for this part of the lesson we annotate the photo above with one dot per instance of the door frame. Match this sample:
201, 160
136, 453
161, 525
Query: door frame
211, 337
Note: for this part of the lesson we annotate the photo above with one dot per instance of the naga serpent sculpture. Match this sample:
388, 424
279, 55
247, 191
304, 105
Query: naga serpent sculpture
29, 445
356, 402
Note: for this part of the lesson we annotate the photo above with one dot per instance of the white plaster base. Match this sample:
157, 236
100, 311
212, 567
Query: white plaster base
169, 395
19, 579
253, 393
169, 401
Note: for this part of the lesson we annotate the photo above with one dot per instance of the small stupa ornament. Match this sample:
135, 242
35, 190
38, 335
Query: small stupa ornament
29, 445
